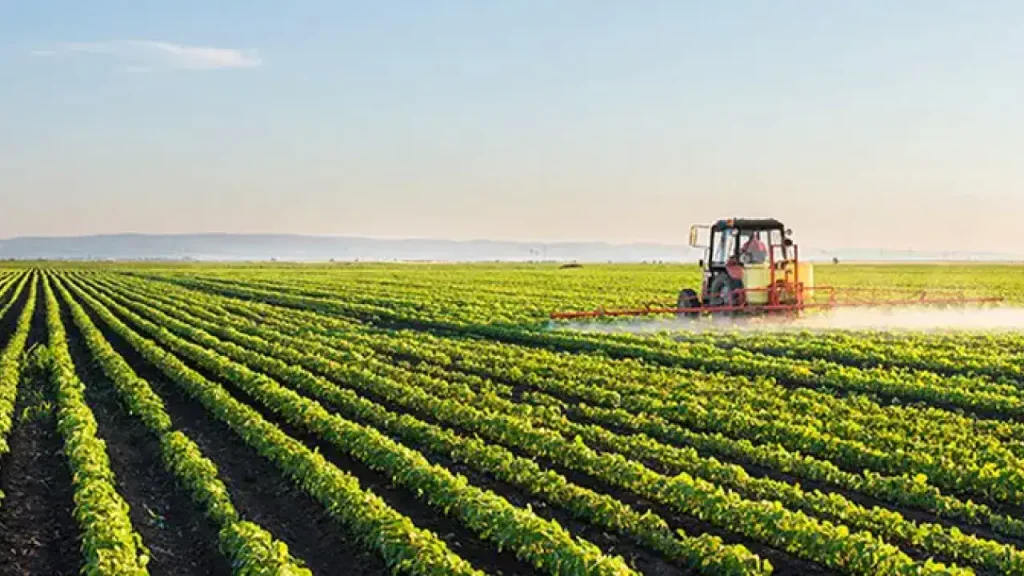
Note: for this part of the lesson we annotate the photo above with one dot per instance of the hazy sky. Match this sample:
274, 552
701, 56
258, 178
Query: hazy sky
859, 123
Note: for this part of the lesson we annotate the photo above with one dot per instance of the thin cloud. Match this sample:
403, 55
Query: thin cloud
136, 55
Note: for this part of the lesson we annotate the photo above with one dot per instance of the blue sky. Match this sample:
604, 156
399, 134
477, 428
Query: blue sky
861, 124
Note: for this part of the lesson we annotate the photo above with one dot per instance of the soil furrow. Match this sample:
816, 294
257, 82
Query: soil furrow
9, 321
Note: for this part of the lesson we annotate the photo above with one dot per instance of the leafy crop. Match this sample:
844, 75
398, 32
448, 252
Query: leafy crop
485, 429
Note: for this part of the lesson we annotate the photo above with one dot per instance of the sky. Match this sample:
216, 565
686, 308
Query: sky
868, 124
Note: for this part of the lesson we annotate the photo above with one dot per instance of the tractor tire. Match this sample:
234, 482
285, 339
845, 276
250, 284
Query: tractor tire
725, 291
688, 300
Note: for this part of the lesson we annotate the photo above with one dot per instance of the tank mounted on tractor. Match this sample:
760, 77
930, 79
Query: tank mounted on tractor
752, 267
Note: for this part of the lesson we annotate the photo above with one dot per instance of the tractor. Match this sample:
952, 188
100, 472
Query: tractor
750, 266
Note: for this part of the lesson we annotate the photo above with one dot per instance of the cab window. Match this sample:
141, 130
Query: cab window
723, 246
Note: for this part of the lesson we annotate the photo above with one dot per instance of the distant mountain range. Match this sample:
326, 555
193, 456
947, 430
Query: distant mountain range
263, 247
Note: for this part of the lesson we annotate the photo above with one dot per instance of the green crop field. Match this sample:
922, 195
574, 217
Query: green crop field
430, 419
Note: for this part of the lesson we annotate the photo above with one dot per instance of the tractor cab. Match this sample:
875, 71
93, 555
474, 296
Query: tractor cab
733, 244
746, 261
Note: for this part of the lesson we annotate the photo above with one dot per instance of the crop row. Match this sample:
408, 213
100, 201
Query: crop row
10, 364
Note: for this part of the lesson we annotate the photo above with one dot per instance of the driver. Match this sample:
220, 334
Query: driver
754, 249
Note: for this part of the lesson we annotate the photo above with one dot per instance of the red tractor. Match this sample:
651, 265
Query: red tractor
749, 266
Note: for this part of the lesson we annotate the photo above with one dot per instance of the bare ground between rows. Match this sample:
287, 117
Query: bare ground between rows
38, 534
8, 292
9, 321
181, 540
258, 489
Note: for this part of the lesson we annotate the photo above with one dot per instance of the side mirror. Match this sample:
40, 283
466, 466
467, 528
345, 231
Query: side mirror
789, 231
700, 263
697, 239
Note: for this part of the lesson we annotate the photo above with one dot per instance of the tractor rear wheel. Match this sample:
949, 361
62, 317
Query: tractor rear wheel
725, 291
688, 300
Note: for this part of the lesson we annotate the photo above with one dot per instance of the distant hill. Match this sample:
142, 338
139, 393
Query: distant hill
246, 247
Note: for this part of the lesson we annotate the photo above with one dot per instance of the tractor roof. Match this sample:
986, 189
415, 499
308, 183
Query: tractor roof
749, 224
